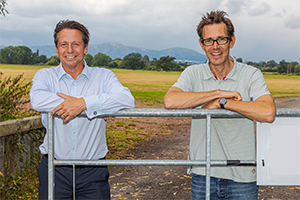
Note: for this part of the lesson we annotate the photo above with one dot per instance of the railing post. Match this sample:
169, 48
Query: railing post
50, 157
207, 179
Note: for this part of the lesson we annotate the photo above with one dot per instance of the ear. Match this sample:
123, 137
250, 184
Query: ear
202, 46
86, 49
56, 49
232, 41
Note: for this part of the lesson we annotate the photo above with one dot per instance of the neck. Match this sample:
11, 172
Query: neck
221, 71
73, 71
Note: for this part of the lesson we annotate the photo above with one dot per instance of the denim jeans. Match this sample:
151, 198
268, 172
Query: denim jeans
223, 189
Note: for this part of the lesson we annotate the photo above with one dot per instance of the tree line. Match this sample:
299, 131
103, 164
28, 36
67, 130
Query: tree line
135, 61
24, 55
283, 67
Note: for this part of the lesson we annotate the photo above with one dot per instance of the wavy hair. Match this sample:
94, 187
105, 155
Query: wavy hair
215, 17
70, 24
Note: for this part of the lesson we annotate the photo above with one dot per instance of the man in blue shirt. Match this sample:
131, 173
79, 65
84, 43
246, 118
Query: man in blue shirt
69, 89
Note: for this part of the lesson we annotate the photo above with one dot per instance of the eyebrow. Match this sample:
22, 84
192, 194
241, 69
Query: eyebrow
216, 39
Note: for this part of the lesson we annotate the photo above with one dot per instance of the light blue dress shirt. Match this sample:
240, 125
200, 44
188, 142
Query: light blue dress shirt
81, 137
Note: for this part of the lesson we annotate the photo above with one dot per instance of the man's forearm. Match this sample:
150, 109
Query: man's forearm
176, 98
262, 110
188, 99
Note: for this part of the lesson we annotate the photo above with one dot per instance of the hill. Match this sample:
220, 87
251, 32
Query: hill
117, 50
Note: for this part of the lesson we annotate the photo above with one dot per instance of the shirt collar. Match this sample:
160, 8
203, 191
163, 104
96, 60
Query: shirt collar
232, 74
85, 72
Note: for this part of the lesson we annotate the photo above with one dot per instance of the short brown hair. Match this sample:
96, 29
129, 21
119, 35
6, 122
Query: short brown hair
71, 25
215, 17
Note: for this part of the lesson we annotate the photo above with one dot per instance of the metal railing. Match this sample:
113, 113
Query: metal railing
153, 112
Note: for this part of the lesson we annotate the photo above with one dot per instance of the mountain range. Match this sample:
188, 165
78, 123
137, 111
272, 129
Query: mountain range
117, 50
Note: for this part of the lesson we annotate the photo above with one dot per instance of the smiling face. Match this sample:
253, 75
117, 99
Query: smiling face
70, 49
218, 55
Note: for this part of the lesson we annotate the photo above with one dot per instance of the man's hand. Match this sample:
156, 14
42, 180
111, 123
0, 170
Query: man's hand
70, 108
230, 95
215, 104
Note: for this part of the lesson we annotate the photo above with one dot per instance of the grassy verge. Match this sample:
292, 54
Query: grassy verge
123, 134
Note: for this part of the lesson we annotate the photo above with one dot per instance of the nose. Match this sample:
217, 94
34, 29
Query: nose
215, 44
70, 48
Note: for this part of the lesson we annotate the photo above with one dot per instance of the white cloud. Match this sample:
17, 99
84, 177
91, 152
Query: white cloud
292, 21
158, 24
260, 9
235, 6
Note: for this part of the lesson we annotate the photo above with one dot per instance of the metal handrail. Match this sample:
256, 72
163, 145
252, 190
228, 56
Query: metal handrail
157, 112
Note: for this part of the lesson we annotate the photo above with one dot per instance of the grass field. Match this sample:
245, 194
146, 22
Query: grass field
151, 86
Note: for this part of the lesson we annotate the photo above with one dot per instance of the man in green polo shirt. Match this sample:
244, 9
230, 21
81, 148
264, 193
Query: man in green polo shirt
222, 82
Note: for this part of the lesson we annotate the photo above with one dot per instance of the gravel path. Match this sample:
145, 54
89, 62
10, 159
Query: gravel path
173, 182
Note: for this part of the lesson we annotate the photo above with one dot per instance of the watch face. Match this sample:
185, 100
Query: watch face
223, 101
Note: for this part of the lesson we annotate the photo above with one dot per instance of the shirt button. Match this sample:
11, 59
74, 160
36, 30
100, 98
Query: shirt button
73, 148
74, 132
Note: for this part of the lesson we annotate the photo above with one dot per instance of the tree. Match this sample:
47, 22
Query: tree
292, 67
297, 69
54, 60
283, 62
271, 64
250, 63
16, 55
165, 63
239, 60
101, 59
145, 58
133, 61
281, 69
89, 59
119, 62
40, 59
113, 64
3, 10
6, 55
22, 55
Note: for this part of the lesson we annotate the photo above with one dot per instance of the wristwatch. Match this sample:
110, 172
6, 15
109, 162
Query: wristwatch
222, 102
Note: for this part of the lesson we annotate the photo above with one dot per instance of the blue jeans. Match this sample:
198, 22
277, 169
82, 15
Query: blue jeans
223, 189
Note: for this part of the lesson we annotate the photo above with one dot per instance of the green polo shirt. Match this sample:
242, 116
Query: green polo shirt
231, 138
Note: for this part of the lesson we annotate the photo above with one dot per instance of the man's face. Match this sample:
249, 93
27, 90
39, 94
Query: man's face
218, 55
70, 48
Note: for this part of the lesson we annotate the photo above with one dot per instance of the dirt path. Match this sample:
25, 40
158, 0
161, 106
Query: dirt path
173, 182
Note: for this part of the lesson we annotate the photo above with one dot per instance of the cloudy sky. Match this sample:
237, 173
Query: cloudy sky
265, 29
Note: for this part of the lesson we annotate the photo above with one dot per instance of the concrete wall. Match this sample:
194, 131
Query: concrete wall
10, 153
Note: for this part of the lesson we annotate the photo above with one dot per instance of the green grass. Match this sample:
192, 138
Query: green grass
150, 97
283, 85
151, 86
282, 76
122, 135
22, 67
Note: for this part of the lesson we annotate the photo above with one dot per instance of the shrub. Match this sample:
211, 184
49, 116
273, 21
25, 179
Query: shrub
13, 97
